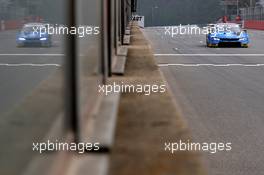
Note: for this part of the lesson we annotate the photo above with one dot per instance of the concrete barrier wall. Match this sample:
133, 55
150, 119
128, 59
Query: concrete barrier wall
10, 25
250, 24
254, 24
18, 23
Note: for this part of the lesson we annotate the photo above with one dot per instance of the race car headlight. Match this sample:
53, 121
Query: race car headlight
43, 39
243, 39
215, 38
21, 39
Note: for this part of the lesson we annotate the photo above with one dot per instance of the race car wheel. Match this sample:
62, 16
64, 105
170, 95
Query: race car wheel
209, 45
212, 45
20, 45
244, 45
49, 44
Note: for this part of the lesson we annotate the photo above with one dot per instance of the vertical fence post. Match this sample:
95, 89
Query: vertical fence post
122, 21
104, 41
71, 83
2, 25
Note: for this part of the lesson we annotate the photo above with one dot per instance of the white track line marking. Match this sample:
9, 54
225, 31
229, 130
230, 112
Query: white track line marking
30, 64
22, 54
213, 55
212, 65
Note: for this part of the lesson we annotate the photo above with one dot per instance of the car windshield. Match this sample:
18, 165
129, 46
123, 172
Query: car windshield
29, 29
228, 28
234, 29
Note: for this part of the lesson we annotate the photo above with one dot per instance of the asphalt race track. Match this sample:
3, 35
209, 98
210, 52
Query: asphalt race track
22, 69
221, 96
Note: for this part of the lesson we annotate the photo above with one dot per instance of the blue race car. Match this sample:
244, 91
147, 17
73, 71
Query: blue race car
227, 33
34, 34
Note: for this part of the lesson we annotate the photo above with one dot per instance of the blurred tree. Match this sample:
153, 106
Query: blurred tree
173, 12
4, 4
52, 11
247, 3
49, 10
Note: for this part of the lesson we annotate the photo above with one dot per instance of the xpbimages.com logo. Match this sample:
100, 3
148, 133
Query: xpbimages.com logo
196, 30
50, 146
80, 31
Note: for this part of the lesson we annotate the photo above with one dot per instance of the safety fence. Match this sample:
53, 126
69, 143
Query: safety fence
253, 17
253, 13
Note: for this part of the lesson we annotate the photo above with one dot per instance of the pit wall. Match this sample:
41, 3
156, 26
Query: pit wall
17, 24
254, 24
11, 25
